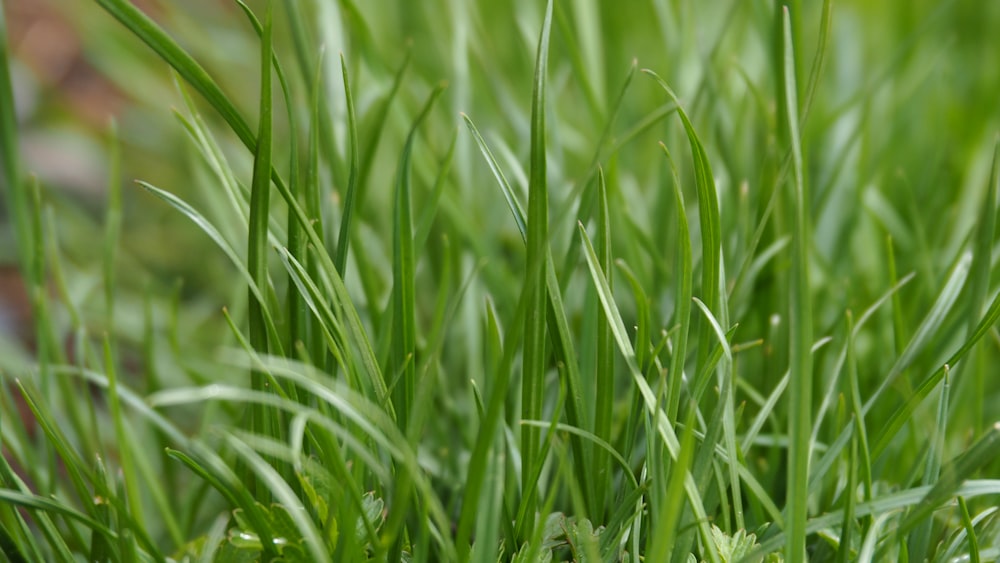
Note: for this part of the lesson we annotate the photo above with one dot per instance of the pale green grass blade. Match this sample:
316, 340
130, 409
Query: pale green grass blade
78, 472
844, 551
816, 70
296, 320
313, 205
922, 337
236, 195
947, 296
594, 439
328, 325
800, 325
404, 322
727, 407
209, 229
534, 365
563, 347
508, 192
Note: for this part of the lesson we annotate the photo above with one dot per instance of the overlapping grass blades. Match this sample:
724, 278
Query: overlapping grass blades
432, 382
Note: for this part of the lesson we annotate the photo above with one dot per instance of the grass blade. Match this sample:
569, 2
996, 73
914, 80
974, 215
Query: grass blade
404, 321
605, 367
261, 421
800, 325
663, 429
350, 201
535, 360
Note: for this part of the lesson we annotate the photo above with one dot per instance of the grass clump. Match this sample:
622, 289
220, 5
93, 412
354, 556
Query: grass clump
548, 281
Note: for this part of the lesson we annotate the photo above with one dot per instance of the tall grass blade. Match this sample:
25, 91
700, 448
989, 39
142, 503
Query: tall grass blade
605, 366
535, 362
404, 266
682, 295
800, 325
663, 429
350, 201
260, 420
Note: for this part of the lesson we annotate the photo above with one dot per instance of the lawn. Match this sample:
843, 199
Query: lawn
537, 280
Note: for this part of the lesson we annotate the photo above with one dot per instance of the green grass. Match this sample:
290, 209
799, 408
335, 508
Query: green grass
418, 283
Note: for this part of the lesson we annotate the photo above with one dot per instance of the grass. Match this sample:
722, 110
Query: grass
445, 303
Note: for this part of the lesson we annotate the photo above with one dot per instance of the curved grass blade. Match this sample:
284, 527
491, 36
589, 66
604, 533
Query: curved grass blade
173, 54
711, 241
206, 226
505, 188
223, 480
885, 503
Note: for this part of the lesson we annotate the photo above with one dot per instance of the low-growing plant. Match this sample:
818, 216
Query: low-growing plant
508, 291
